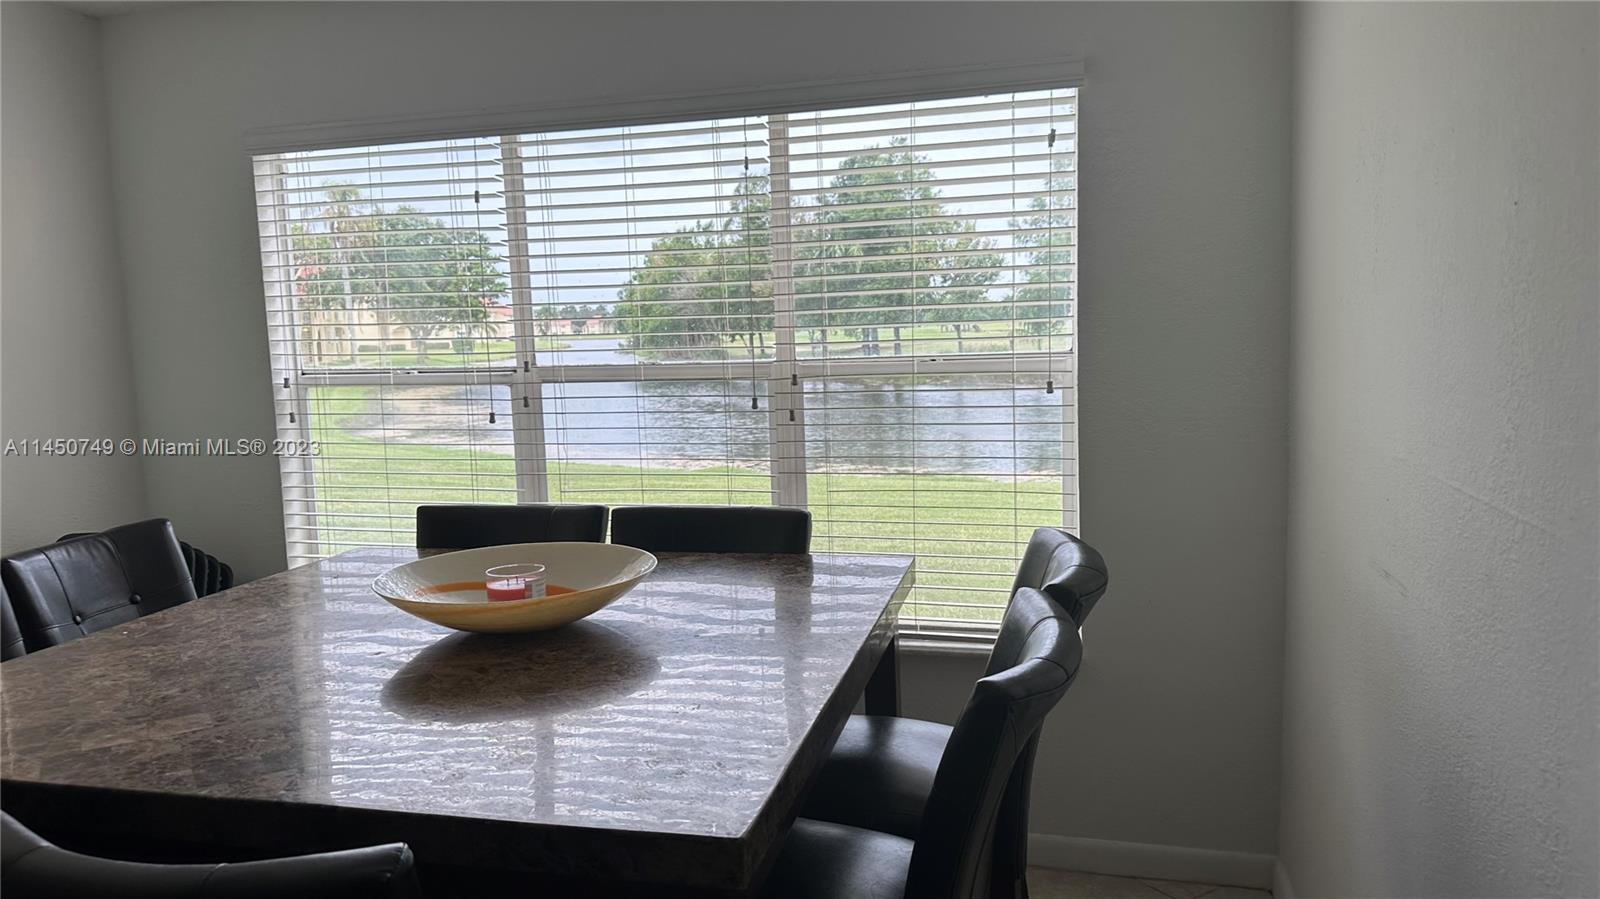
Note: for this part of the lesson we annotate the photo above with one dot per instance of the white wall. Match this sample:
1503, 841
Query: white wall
1441, 701
1171, 736
65, 363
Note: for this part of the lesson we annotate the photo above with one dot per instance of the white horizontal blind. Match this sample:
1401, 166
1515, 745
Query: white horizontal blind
645, 251
935, 333
391, 344
867, 312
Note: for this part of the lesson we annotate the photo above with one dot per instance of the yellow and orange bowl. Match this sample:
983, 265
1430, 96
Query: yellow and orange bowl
580, 578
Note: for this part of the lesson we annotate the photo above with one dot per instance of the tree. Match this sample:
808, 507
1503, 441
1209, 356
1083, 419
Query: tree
1042, 305
356, 254
880, 249
321, 288
705, 283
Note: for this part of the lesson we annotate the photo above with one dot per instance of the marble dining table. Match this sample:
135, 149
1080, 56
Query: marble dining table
667, 740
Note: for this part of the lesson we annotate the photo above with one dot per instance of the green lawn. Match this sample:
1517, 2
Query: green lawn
966, 531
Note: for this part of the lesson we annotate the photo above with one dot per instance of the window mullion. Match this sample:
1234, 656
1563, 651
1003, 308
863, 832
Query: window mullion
787, 418
527, 394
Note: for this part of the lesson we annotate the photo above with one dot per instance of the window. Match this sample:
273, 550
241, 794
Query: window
867, 312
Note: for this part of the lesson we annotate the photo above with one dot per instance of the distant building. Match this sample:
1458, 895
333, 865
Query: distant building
363, 329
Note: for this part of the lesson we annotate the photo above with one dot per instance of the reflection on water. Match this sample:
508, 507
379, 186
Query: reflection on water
970, 424
995, 424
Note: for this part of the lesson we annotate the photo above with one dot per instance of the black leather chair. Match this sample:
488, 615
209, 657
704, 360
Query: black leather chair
981, 780
472, 526
210, 574
70, 589
10, 634
32, 867
882, 769
712, 529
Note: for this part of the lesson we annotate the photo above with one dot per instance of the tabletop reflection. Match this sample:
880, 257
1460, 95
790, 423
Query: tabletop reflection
509, 677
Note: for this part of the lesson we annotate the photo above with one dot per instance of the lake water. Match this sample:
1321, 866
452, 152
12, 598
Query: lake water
996, 425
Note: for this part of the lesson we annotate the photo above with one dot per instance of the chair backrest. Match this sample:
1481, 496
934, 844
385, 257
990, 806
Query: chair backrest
210, 574
472, 526
955, 853
712, 529
33, 867
1074, 576
66, 590
10, 634
1065, 568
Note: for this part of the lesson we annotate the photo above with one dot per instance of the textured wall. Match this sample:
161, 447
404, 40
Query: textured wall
1441, 701
65, 365
1184, 281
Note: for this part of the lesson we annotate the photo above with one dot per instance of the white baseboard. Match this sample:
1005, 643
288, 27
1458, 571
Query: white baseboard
1153, 860
1282, 888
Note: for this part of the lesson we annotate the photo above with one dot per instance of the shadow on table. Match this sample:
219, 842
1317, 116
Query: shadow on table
467, 678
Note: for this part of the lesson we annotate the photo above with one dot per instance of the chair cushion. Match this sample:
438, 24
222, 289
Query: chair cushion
879, 774
822, 860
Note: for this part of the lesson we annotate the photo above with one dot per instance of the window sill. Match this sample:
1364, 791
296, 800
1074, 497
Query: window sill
945, 648
947, 638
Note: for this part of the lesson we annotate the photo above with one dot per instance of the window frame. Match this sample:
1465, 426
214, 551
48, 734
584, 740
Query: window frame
785, 374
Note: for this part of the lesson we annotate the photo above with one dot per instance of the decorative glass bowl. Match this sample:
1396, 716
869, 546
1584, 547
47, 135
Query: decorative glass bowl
451, 588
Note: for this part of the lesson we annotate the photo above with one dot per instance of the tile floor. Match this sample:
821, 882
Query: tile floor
1046, 883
